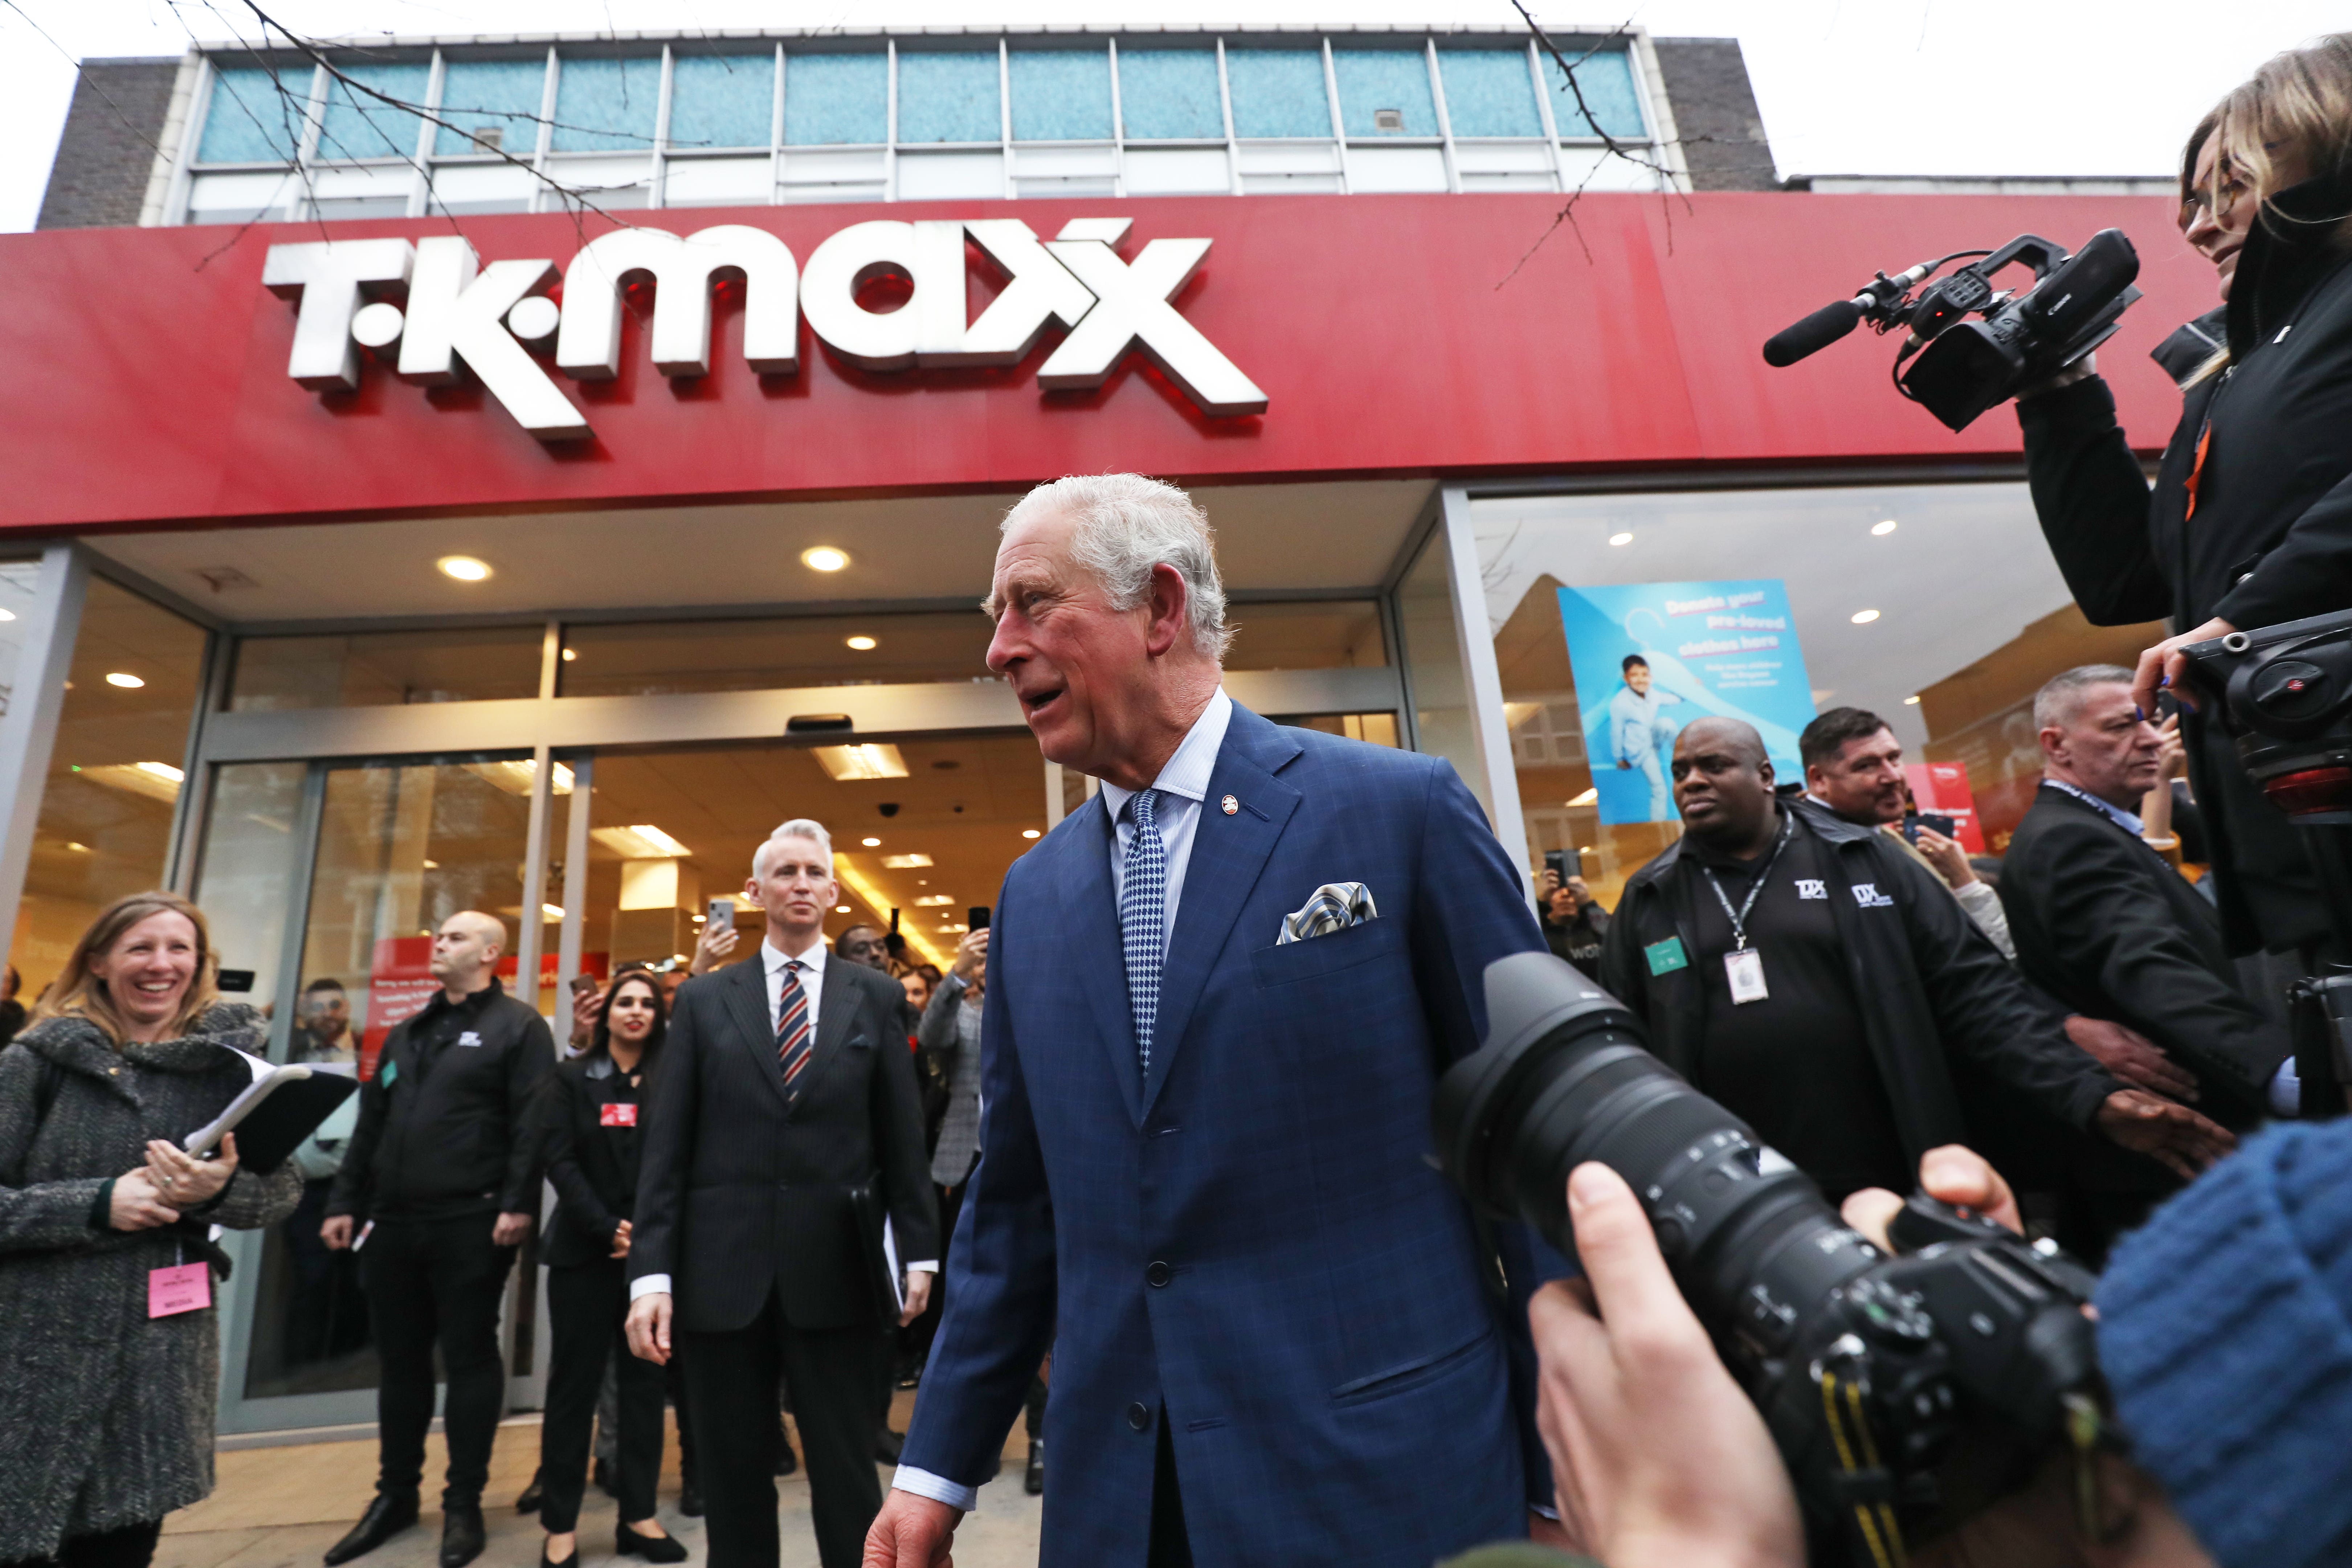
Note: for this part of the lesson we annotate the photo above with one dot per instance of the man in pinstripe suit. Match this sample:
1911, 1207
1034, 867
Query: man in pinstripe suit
1219, 996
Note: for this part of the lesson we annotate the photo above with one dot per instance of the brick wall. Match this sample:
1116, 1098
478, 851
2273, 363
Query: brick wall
99, 178
1715, 111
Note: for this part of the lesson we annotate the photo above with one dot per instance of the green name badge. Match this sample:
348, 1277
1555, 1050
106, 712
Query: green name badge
1666, 956
391, 1070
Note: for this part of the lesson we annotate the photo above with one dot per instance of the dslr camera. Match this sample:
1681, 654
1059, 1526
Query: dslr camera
1905, 1392
1964, 367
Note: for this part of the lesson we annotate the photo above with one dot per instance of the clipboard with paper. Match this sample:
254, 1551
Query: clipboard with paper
281, 1106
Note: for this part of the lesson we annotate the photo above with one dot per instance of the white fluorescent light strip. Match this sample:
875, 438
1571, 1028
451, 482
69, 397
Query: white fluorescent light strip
846, 764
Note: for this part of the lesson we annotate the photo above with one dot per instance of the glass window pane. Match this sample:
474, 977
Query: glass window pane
948, 96
105, 826
721, 100
1432, 660
255, 114
1332, 635
1279, 92
1384, 92
358, 126
1060, 95
606, 105
645, 659
1488, 92
491, 106
384, 668
1166, 95
836, 99
247, 868
1606, 78
1972, 617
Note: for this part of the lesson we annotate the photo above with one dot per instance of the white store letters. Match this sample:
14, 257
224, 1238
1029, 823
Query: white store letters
460, 315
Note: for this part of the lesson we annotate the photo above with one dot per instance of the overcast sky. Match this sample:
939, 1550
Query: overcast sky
1935, 86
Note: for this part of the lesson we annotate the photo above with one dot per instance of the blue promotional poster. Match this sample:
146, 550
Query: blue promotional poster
1649, 657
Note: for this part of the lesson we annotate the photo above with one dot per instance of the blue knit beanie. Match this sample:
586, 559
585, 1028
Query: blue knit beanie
2225, 1330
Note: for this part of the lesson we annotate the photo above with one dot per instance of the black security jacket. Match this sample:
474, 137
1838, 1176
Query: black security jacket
2272, 537
2104, 924
1938, 1002
449, 1134
737, 1196
593, 1165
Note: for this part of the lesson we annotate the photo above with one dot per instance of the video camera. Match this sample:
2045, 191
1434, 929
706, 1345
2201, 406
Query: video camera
1905, 1393
1965, 367
2284, 694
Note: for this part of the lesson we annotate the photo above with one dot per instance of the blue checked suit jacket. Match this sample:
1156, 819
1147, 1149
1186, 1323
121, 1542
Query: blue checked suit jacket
1339, 1383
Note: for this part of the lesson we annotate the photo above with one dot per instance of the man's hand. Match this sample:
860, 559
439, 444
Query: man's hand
1950, 860
911, 1532
1658, 1459
337, 1232
1951, 1173
137, 1203
2132, 1056
919, 1296
2182, 1139
2171, 752
647, 1327
1547, 884
620, 1240
971, 956
2164, 665
714, 944
510, 1229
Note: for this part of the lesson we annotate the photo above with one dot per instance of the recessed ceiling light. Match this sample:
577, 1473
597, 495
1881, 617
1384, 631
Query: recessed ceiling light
1584, 849
1586, 798
1884, 529
904, 862
824, 558
643, 841
871, 843
934, 902
841, 909
128, 682
77, 849
1910, 702
863, 644
550, 914
1621, 538
1863, 618
1031, 833
433, 865
570, 653
866, 761
464, 568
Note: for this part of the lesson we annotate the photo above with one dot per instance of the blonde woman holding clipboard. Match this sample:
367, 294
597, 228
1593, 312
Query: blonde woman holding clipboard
111, 1374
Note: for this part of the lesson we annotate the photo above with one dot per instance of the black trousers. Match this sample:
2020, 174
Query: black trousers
585, 1308
125, 1546
730, 1380
1172, 1546
436, 1283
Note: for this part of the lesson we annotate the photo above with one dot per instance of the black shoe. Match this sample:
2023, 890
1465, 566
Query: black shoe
887, 1446
787, 1462
627, 1542
547, 1562
461, 1534
602, 1473
1032, 1479
689, 1499
385, 1517
531, 1497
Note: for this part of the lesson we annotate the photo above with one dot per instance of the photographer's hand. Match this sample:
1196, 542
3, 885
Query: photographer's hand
1659, 1460
1952, 1173
2164, 665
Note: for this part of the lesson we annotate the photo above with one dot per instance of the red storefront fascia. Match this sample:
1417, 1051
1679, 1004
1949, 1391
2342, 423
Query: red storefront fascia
1460, 336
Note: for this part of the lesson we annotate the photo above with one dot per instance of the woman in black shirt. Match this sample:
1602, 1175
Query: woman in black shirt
591, 1121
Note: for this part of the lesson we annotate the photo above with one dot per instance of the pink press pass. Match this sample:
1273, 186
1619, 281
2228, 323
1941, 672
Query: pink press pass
184, 1288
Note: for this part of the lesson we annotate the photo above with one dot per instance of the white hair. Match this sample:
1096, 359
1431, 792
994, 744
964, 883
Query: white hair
1124, 525
2060, 702
798, 827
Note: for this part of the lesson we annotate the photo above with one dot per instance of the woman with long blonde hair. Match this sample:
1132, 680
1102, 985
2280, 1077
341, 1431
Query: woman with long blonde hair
109, 1348
2250, 521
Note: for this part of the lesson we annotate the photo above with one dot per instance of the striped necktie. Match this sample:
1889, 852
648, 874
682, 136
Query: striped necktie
794, 1034
1143, 918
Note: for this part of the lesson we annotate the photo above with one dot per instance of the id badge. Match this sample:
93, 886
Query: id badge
183, 1288
617, 1115
1745, 970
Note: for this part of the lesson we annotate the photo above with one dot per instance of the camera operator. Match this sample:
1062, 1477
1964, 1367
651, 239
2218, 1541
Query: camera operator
1822, 986
1574, 923
2250, 521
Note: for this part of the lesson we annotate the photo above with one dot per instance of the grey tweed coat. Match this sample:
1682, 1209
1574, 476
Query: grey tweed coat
107, 1415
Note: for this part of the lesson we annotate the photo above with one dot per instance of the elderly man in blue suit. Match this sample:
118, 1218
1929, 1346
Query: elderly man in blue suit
1220, 995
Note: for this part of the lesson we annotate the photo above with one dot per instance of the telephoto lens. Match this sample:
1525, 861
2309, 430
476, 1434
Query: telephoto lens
1892, 1425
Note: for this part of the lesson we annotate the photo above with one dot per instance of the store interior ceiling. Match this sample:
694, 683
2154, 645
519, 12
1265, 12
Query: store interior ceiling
1306, 537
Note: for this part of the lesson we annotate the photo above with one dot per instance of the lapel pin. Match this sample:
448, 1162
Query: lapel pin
1230, 804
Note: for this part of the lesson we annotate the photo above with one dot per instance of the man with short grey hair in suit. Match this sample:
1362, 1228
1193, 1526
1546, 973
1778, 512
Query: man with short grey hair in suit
782, 1126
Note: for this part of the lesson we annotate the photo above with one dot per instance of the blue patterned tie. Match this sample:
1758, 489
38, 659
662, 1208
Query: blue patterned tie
794, 1035
1143, 918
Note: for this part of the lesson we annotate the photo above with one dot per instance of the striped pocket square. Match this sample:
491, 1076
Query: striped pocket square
1336, 906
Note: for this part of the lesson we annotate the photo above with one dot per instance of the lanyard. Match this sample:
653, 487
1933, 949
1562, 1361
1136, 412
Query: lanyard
1739, 918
